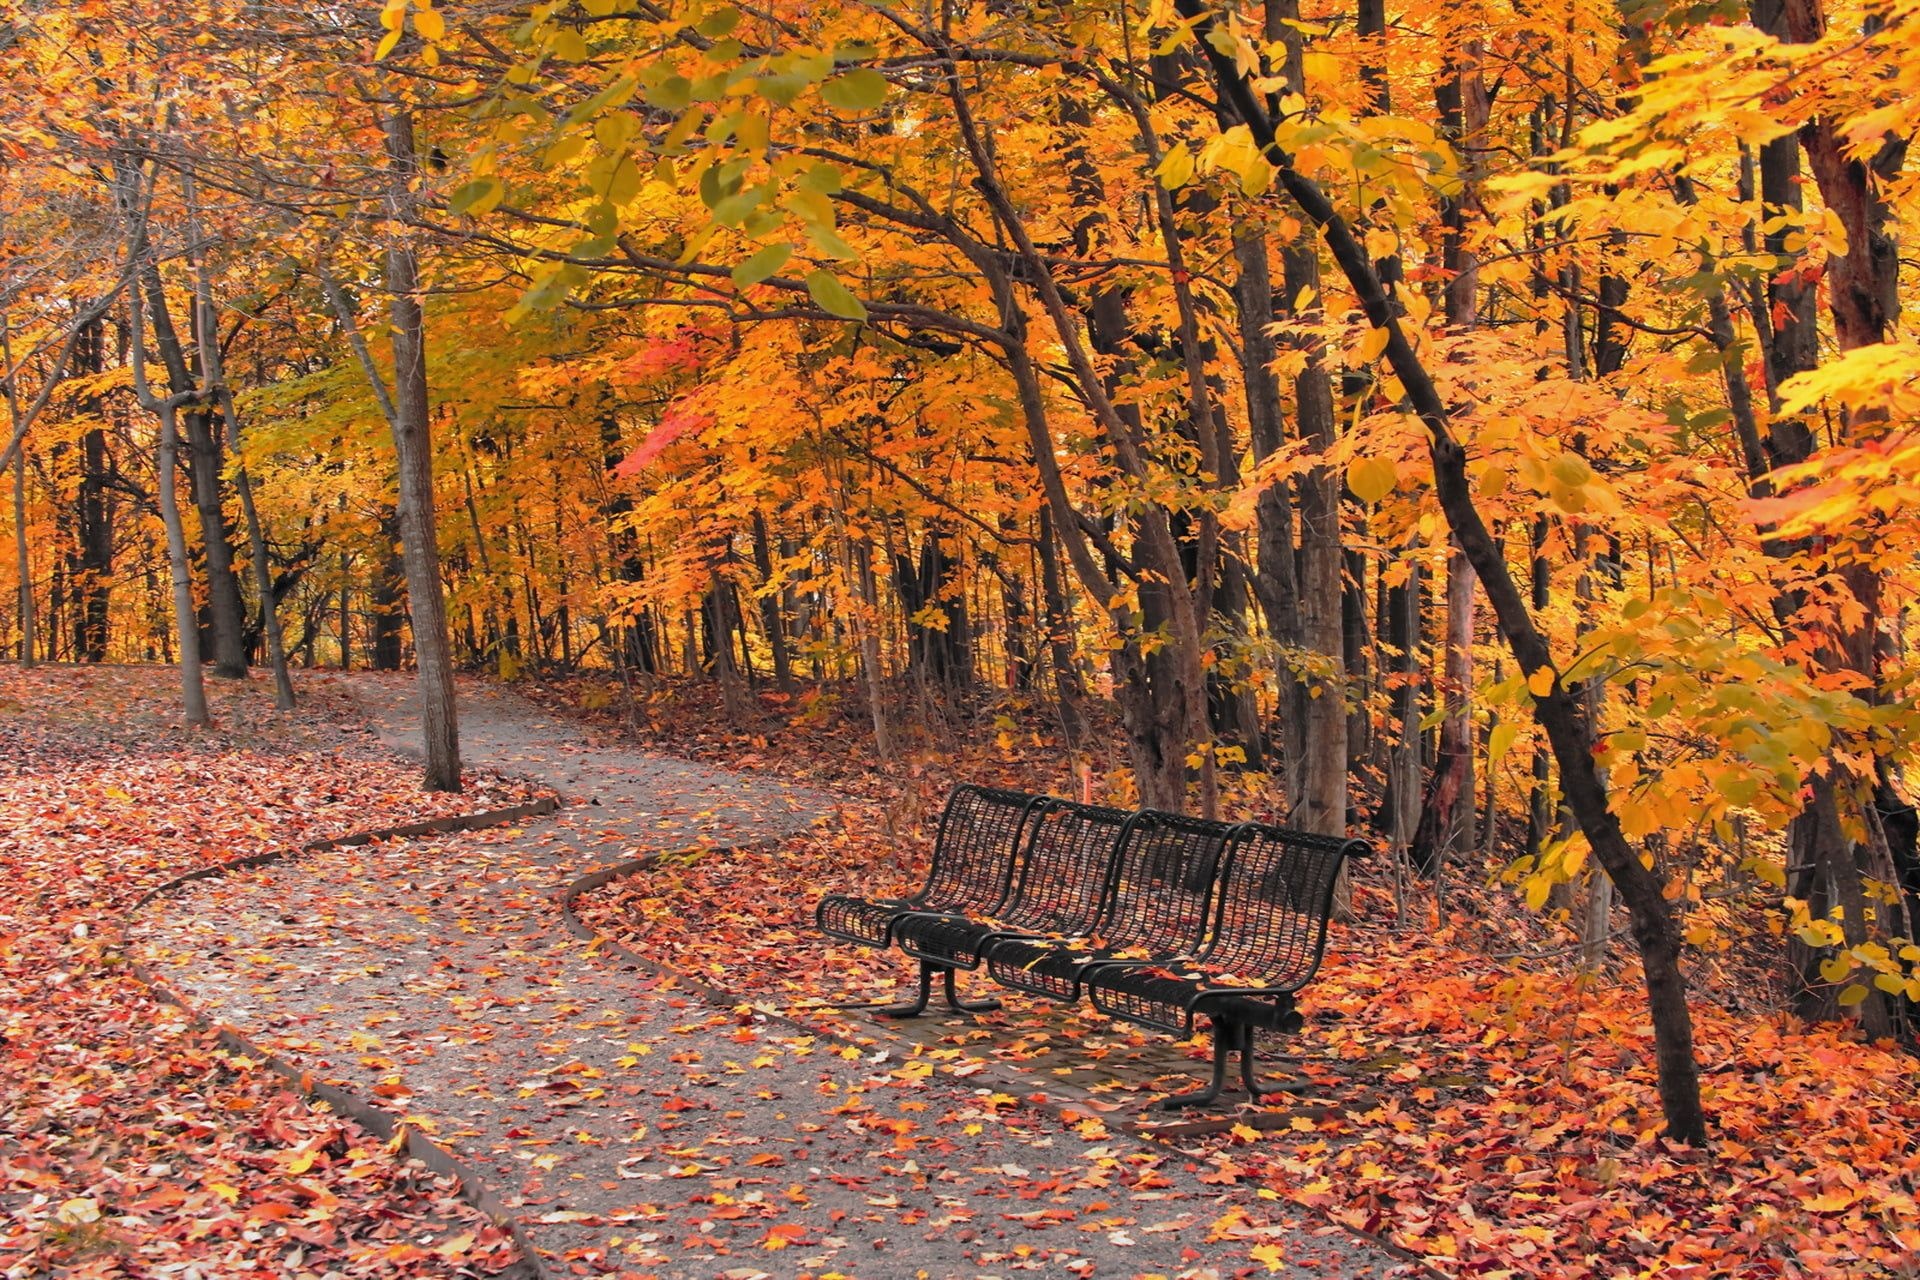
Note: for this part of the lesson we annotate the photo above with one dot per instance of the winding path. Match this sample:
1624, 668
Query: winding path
633, 1128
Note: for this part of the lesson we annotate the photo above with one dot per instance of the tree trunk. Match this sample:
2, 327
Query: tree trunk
193, 692
772, 620
1274, 580
386, 644
213, 365
412, 443
1830, 865
23, 560
226, 618
22, 553
1446, 820
1069, 691
1321, 804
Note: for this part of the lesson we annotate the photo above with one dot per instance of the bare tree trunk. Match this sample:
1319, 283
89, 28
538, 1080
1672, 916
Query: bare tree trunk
193, 692
23, 559
1321, 804
772, 619
346, 612
412, 442
223, 588
213, 365
1447, 822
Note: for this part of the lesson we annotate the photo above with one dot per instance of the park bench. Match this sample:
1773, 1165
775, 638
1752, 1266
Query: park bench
1160, 919
981, 833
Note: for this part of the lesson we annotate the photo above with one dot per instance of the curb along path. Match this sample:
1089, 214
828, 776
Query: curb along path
630, 1127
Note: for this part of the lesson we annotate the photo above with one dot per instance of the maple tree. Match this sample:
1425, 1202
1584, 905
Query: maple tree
1493, 434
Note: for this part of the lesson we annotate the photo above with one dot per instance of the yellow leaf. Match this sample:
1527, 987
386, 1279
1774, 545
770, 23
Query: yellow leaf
1852, 996
80, 1210
1271, 1256
1176, 168
1540, 683
1832, 1201
1372, 479
1372, 345
387, 42
430, 25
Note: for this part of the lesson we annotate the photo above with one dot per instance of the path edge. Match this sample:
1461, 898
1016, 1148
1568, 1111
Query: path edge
469, 1185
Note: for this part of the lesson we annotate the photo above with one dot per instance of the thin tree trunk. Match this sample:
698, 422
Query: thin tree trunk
1321, 804
412, 442
23, 558
1447, 822
346, 611
213, 365
226, 628
772, 620
193, 692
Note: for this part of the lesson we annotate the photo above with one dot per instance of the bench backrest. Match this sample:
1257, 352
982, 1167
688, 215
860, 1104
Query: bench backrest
1063, 877
1275, 898
1162, 881
981, 833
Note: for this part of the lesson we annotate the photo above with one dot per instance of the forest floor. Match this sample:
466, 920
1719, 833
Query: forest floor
1492, 1114
635, 1127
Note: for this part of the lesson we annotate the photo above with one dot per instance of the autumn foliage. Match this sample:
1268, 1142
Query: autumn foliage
1488, 430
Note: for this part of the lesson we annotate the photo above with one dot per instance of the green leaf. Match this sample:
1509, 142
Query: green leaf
833, 297
719, 22
671, 94
482, 195
761, 265
828, 241
823, 177
862, 89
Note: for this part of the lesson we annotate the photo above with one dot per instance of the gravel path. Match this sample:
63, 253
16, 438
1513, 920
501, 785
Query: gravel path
637, 1130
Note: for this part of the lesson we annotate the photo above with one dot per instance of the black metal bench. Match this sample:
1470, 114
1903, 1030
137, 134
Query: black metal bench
982, 830
1064, 866
1160, 919
1268, 935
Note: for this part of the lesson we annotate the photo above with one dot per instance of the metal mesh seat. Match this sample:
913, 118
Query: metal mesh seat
1269, 933
1154, 904
980, 835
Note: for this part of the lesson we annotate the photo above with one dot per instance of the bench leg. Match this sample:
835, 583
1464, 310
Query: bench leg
1224, 1039
917, 1006
986, 1005
1247, 1076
